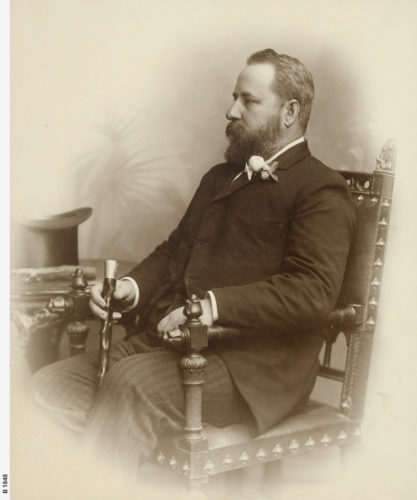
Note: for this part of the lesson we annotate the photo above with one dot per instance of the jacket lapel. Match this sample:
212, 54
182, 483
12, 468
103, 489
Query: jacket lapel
293, 155
231, 188
289, 158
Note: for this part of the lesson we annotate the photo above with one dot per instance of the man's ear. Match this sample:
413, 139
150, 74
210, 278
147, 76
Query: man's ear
291, 112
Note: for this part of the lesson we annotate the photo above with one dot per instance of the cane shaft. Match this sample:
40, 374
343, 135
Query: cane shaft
109, 287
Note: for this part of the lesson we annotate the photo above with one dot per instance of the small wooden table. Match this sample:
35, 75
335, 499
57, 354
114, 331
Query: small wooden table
42, 310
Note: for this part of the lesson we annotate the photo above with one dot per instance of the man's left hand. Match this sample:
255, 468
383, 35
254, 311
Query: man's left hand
176, 317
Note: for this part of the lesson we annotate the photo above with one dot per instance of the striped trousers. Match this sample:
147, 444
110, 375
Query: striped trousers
140, 399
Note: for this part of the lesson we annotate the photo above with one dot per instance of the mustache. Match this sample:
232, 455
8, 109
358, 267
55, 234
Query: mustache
234, 128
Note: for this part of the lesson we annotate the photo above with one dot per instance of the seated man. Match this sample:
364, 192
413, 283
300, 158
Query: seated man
264, 244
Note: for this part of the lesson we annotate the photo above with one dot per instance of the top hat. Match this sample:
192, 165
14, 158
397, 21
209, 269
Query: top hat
49, 241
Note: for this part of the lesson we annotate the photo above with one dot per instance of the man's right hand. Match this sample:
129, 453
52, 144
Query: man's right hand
123, 297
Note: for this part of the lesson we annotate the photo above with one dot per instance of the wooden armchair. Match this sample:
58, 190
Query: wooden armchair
203, 451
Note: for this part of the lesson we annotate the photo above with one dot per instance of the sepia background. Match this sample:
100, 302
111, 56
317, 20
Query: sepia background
120, 106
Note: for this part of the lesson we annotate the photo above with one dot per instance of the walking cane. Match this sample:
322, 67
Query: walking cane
109, 286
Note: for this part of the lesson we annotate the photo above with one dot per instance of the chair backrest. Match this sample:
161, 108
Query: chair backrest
372, 193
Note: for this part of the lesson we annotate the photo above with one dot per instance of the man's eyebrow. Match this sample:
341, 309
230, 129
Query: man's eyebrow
244, 93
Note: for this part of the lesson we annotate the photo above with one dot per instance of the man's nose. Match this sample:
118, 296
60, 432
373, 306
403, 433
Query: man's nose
233, 113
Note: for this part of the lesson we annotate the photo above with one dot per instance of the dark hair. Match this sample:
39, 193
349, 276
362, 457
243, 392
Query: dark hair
292, 80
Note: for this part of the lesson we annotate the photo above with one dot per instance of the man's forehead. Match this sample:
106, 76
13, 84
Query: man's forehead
255, 78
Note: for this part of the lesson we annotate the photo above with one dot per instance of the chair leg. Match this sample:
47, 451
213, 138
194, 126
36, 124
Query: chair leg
77, 332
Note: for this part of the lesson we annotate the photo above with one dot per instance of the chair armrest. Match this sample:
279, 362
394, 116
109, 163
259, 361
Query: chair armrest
350, 315
186, 335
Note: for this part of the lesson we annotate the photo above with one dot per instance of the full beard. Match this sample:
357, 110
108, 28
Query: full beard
244, 143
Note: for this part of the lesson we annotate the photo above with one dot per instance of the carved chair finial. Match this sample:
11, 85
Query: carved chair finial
193, 311
79, 280
386, 160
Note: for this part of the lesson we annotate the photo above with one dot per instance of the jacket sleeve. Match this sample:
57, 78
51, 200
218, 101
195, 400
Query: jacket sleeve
154, 269
306, 290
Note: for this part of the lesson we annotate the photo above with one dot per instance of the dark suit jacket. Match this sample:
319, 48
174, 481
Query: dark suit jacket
274, 254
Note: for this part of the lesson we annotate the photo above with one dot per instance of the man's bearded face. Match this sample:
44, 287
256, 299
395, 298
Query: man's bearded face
244, 142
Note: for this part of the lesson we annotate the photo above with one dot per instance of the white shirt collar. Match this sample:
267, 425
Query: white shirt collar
286, 148
279, 153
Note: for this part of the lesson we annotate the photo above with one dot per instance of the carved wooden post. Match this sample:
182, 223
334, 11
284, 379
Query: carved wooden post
77, 332
192, 365
378, 198
76, 329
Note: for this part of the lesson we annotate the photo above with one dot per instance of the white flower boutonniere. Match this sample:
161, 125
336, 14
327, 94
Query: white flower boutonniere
257, 166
